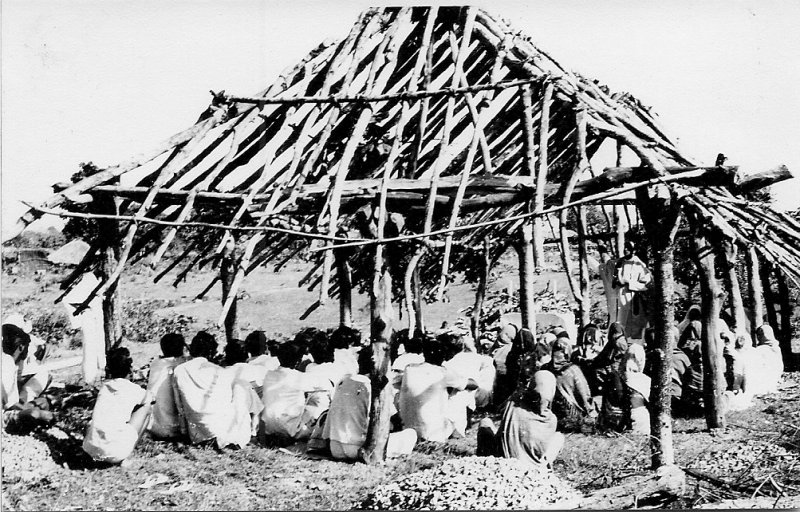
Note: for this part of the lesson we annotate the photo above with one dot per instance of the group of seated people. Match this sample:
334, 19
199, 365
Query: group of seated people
316, 388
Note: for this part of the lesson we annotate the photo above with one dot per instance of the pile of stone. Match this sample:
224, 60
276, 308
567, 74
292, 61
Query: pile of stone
25, 458
469, 483
752, 456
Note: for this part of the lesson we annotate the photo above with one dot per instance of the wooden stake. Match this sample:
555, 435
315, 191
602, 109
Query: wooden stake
713, 365
480, 292
227, 275
661, 218
729, 256
769, 294
785, 339
756, 292
525, 254
109, 254
585, 303
541, 174
346, 290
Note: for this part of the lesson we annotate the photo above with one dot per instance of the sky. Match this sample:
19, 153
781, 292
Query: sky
103, 80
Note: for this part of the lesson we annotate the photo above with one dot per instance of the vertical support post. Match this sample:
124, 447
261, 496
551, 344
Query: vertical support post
419, 318
583, 260
109, 233
756, 291
227, 274
769, 294
541, 174
345, 289
734, 290
661, 218
480, 293
618, 222
785, 339
525, 253
711, 294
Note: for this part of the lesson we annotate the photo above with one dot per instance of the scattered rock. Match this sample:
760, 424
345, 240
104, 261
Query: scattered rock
25, 458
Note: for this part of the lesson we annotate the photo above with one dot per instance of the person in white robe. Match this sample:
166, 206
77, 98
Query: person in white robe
766, 365
165, 421
468, 363
632, 276
290, 397
90, 322
425, 402
638, 388
257, 348
212, 402
120, 414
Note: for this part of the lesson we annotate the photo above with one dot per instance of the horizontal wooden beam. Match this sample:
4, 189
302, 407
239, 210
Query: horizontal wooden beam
364, 98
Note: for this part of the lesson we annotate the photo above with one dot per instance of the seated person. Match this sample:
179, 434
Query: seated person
590, 343
692, 385
412, 355
465, 361
257, 347
33, 377
324, 365
638, 389
572, 403
304, 339
348, 418
120, 414
18, 417
528, 429
346, 343
205, 397
165, 421
426, 405
248, 381
738, 358
288, 414
766, 366
502, 385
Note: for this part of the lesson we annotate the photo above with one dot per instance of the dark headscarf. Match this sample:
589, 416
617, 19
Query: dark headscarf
615, 348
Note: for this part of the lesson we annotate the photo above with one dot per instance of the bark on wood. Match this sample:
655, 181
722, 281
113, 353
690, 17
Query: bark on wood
480, 292
109, 234
666, 480
345, 290
755, 290
769, 294
583, 259
541, 173
785, 303
227, 271
713, 365
526, 271
661, 219
729, 257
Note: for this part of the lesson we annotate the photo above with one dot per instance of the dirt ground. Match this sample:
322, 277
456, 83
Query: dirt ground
758, 454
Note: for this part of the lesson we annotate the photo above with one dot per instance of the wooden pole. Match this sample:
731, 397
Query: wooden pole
109, 232
526, 270
769, 294
711, 294
785, 339
541, 174
345, 290
480, 293
729, 256
756, 291
418, 313
583, 260
661, 218
227, 272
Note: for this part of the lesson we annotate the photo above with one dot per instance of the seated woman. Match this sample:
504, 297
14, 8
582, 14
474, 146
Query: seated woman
18, 417
738, 358
120, 414
638, 388
288, 414
464, 360
609, 366
690, 343
166, 422
767, 363
348, 418
346, 343
590, 343
528, 428
204, 395
572, 404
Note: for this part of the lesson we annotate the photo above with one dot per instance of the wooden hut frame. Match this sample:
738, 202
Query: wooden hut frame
393, 119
